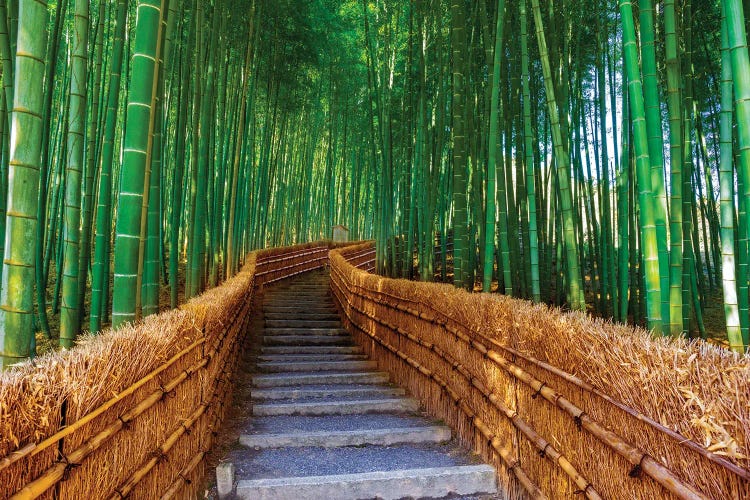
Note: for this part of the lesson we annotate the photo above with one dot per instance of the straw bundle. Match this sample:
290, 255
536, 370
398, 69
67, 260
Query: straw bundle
564, 403
133, 411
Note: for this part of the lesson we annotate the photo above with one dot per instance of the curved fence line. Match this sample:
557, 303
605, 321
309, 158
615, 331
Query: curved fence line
133, 412
473, 360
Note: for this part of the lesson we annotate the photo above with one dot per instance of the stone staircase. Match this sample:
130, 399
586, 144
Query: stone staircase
326, 424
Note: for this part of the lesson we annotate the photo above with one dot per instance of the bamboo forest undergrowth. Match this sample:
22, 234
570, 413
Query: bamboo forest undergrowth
589, 154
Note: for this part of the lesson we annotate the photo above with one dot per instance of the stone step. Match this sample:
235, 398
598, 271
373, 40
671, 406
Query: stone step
302, 323
337, 407
314, 366
291, 358
301, 295
324, 301
386, 485
360, 437
307, 340
311, 349
303, 309
340, 391
311, 330
314, 316
286, 380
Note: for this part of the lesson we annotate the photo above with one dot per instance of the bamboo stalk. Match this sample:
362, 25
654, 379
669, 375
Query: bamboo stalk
177, 484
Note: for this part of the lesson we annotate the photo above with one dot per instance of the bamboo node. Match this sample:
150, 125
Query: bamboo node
536, 394
125, 423
579, 422
637, 468
543, 451
69, 466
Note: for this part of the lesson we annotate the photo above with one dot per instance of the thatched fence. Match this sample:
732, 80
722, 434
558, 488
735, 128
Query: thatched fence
132, 413
564, 405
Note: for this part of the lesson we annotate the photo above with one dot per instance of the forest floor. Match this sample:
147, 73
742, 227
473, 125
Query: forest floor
46, 344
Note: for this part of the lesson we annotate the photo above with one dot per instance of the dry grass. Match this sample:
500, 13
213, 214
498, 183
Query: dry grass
695, 389
161, 370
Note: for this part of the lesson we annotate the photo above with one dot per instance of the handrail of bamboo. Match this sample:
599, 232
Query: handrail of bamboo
232, 326
291, 266
529, 432
181, 480
549, 451
159, 452
568, 377
56, 472
636, 457
34, 449
308, 251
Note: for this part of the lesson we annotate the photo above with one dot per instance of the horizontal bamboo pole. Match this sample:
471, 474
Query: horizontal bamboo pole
160, 452
260, 274
285, 257
181, 480
34, 449
57, 471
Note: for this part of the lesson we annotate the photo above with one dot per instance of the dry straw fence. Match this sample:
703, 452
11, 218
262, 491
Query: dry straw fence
132, 413
564, 405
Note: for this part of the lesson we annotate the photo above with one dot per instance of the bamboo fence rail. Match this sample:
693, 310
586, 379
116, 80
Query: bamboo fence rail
133, 412
563, 404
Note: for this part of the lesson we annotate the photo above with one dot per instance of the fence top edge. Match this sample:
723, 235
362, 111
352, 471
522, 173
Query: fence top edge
674, 435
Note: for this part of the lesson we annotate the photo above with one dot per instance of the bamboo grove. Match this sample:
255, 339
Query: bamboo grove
592, 154
148, 145
585, 153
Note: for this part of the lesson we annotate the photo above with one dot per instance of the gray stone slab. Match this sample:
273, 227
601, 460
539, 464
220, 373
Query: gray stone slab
285, 380
387, 485
294, 309
314, 366
290, 358
303, 323
337, 407
313, 316
307, 339
342, 391
360, 437
297, 423
309, 330
311, 350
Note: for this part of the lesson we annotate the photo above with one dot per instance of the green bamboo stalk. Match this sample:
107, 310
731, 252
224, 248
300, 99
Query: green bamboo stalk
726, 181
647, 219
674, 103
562, 159
461, 245
70, 308
16, 296
489, 241
655, 148
529, 158
136, 153
100, 268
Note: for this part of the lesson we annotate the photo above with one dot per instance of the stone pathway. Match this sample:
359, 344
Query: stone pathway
326, 424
